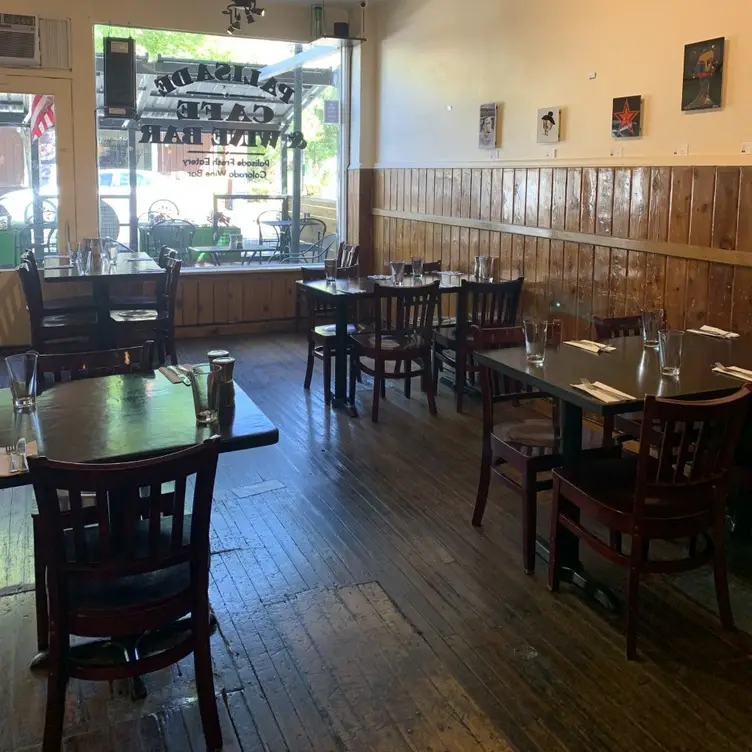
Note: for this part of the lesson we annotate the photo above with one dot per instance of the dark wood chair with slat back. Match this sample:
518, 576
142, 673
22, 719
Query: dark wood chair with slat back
54, 332
529, 445
321, 336
402, 335
52, 370
144, 301
481, 304
53, 306
348, 255
155, 323
674, 488
121, 568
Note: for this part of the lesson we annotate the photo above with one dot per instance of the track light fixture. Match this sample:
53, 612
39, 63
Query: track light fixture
248, 7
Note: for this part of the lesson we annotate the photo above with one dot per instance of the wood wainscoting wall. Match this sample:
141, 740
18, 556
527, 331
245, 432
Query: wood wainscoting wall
589, 241
359, 220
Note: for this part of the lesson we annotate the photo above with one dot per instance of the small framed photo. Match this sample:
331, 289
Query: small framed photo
549, 125
626, 117
489, 133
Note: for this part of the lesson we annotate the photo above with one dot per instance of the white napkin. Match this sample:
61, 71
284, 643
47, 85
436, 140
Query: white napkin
379, 276
603, 392
735, 371
590, 346
171, 376
713, 331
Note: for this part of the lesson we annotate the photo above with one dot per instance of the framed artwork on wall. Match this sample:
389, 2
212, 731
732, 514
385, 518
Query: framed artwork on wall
549, 125
702, 88
489, 132
626, 117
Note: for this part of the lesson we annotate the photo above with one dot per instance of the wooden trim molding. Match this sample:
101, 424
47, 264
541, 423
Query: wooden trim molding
679, 250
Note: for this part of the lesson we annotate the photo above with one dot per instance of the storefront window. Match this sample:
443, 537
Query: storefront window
232, 163
28, 177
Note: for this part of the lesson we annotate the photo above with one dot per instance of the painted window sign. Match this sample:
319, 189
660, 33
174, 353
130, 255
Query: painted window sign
228, 113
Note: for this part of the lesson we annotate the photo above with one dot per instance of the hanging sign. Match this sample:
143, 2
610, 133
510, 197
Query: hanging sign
227, 113
331, 112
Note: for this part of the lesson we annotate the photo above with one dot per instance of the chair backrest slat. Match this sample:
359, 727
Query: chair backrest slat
405, 310
488, 304
617, 326
172, 269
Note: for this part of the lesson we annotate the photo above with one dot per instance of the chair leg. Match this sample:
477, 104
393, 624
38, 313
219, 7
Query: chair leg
553, 553
529, 519
720, 575
382, 389
408, 380
40, 589
633, 595
354, 374
459, 378
207, 701
57, 681
172, 349
327, 376
378, 385
614, 537
435, 374
481, 498
429, 386
309, 367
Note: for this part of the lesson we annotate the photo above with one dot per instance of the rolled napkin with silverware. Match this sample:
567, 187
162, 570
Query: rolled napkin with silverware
590, 346
603, 392
714, 331
13, 460
735, 371
176, 374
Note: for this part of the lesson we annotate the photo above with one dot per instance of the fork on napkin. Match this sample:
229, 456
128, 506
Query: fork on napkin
714, 331
603, 392
175, 374
7, 465
735, 371
590, 346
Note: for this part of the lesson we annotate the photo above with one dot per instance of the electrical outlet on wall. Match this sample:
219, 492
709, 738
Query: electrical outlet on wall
494, 154
747, 147
551, 153
617, 151
681, 150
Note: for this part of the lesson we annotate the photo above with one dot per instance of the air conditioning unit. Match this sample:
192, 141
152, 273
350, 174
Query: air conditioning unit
19, 40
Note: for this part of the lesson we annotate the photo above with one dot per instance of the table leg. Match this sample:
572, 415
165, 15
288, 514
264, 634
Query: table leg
215, 259
340, 359
101, 291
569, 545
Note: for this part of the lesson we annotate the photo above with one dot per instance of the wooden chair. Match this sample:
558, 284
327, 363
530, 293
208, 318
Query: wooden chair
675, 488
618, 326
54, 332
402, 335
480, 304
320, 336
53, 306
138, 302
529, 445
156, 323
348, 255
120, 569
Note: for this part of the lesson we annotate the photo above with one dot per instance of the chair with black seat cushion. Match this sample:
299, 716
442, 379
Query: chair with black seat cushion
119, 302
675, 488
529, 444
482, 304
54, 332
403, 326
154, 323
121, 570
52, 306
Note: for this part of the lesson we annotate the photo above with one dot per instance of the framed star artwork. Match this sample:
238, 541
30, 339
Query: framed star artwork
549, 125
702, 88
626, 117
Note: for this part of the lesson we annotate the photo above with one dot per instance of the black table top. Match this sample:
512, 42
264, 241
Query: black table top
120, 417
364, 286
630, 368
129, 266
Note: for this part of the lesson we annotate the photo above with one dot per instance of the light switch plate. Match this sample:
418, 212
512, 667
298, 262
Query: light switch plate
747, 147
617, 151
551, 153
681, 150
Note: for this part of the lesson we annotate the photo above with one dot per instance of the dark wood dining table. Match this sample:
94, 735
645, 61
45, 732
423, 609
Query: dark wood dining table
125, 417
130, 266
631, 368
341, 292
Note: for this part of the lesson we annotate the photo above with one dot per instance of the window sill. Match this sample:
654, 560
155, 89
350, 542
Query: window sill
270, 269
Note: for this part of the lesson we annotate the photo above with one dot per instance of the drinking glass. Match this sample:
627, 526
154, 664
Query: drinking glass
535, 340
22, 372
398, 272
417, 267
670, 343
205, 386
330, 269
112, 254
652, 320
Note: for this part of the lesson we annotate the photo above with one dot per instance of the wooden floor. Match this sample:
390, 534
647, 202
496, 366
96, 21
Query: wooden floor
359, 610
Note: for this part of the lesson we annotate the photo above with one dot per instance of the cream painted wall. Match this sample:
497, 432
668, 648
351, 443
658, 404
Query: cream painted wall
526, 55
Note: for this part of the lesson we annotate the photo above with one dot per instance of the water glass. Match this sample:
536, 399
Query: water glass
417, 267
670, 343
330, 269
652, 320
398, 272
112, 254
535, 340
22, 372
205, 386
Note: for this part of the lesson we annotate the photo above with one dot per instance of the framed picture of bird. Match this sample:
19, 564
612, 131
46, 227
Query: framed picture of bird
626, 117
702, 88
549, 125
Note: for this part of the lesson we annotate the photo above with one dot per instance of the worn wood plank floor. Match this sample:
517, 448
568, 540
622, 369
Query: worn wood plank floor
359, 609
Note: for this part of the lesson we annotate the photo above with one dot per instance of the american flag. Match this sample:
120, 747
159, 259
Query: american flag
42, 115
